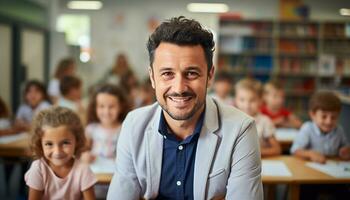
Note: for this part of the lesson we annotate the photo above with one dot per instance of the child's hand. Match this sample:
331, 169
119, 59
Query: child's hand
317, 157
279, 121
344, 153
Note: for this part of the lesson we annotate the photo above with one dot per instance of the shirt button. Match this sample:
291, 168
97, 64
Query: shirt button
164, 137
178, 183
180, 147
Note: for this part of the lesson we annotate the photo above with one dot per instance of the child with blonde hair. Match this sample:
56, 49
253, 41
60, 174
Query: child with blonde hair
57, 140
274, 107
248, 99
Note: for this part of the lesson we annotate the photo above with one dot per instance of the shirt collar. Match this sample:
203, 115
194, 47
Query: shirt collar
165, 131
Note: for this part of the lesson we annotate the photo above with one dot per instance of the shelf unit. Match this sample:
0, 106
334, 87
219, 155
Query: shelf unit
302, 55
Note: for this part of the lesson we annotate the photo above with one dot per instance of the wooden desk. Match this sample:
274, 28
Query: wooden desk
104, 178
301, 174
18, 148
286, 136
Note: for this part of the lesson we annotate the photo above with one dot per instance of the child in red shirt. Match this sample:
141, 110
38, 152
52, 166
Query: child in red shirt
274, 107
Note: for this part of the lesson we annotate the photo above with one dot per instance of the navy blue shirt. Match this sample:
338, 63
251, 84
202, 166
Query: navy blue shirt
176, 181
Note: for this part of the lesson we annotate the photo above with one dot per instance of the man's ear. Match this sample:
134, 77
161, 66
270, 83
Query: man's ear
151, 76
211, 76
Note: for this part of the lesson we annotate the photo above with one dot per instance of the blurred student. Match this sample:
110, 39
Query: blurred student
66, 67
322, 136
222, 88
274, 108
106, 112
57, 140
248, 99
6, 127
70, 88
143, 95
35, 100
121, 73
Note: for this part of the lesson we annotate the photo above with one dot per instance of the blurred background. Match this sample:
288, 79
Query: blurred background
251, 35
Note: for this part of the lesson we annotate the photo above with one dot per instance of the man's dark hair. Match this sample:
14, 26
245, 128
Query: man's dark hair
182, 31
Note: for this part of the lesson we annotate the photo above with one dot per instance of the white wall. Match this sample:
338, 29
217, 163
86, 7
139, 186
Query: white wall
110, 38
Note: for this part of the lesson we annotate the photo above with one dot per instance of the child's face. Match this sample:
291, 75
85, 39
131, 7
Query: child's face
58, 144
222, 88
107, 108
34, 96
75, 93
325, 120
274, 98
247, 101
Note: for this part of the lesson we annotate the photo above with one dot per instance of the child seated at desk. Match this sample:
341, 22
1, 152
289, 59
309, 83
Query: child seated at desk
6, 127
70, 87
222, 88
248, 99
273, 106
35, 100
107, 109
57, 140
322, 136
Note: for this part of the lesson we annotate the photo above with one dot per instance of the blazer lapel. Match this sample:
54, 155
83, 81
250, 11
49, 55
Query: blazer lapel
206, 148
154, 154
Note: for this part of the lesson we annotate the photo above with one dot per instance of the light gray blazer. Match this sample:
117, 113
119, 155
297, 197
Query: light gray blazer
227, 163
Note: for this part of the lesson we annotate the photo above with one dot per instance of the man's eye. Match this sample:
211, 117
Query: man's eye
167, 75
192, 75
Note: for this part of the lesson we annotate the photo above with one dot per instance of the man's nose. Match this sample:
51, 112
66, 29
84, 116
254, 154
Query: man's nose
179, 84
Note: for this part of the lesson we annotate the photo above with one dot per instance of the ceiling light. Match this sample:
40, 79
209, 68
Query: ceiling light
207, 7
344, 12
84, 5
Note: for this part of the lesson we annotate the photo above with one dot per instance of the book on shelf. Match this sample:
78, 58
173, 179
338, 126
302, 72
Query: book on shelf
326, 65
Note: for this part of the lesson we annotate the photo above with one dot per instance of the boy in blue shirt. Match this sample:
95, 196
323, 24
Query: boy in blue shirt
322, 137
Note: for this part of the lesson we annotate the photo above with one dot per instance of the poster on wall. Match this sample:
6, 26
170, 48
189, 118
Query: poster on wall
293, 10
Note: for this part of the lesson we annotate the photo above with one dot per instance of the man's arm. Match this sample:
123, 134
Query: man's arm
124, 184
244, 182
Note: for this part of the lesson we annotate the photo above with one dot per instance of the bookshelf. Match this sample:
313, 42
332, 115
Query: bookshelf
302, 55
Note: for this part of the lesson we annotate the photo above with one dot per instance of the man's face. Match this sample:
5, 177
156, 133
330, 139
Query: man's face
180, 79
325, 120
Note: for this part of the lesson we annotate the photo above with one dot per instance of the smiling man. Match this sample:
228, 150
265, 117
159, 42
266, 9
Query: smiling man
187, 145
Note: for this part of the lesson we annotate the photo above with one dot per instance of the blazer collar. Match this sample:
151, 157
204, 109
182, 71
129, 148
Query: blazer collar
206, 148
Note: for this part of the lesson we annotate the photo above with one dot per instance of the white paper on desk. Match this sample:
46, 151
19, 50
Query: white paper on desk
275, 168
336, 169
12, 138
103, 165
286, 134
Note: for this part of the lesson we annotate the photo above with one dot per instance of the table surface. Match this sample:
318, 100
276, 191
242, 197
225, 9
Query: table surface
302, 174
18, 148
